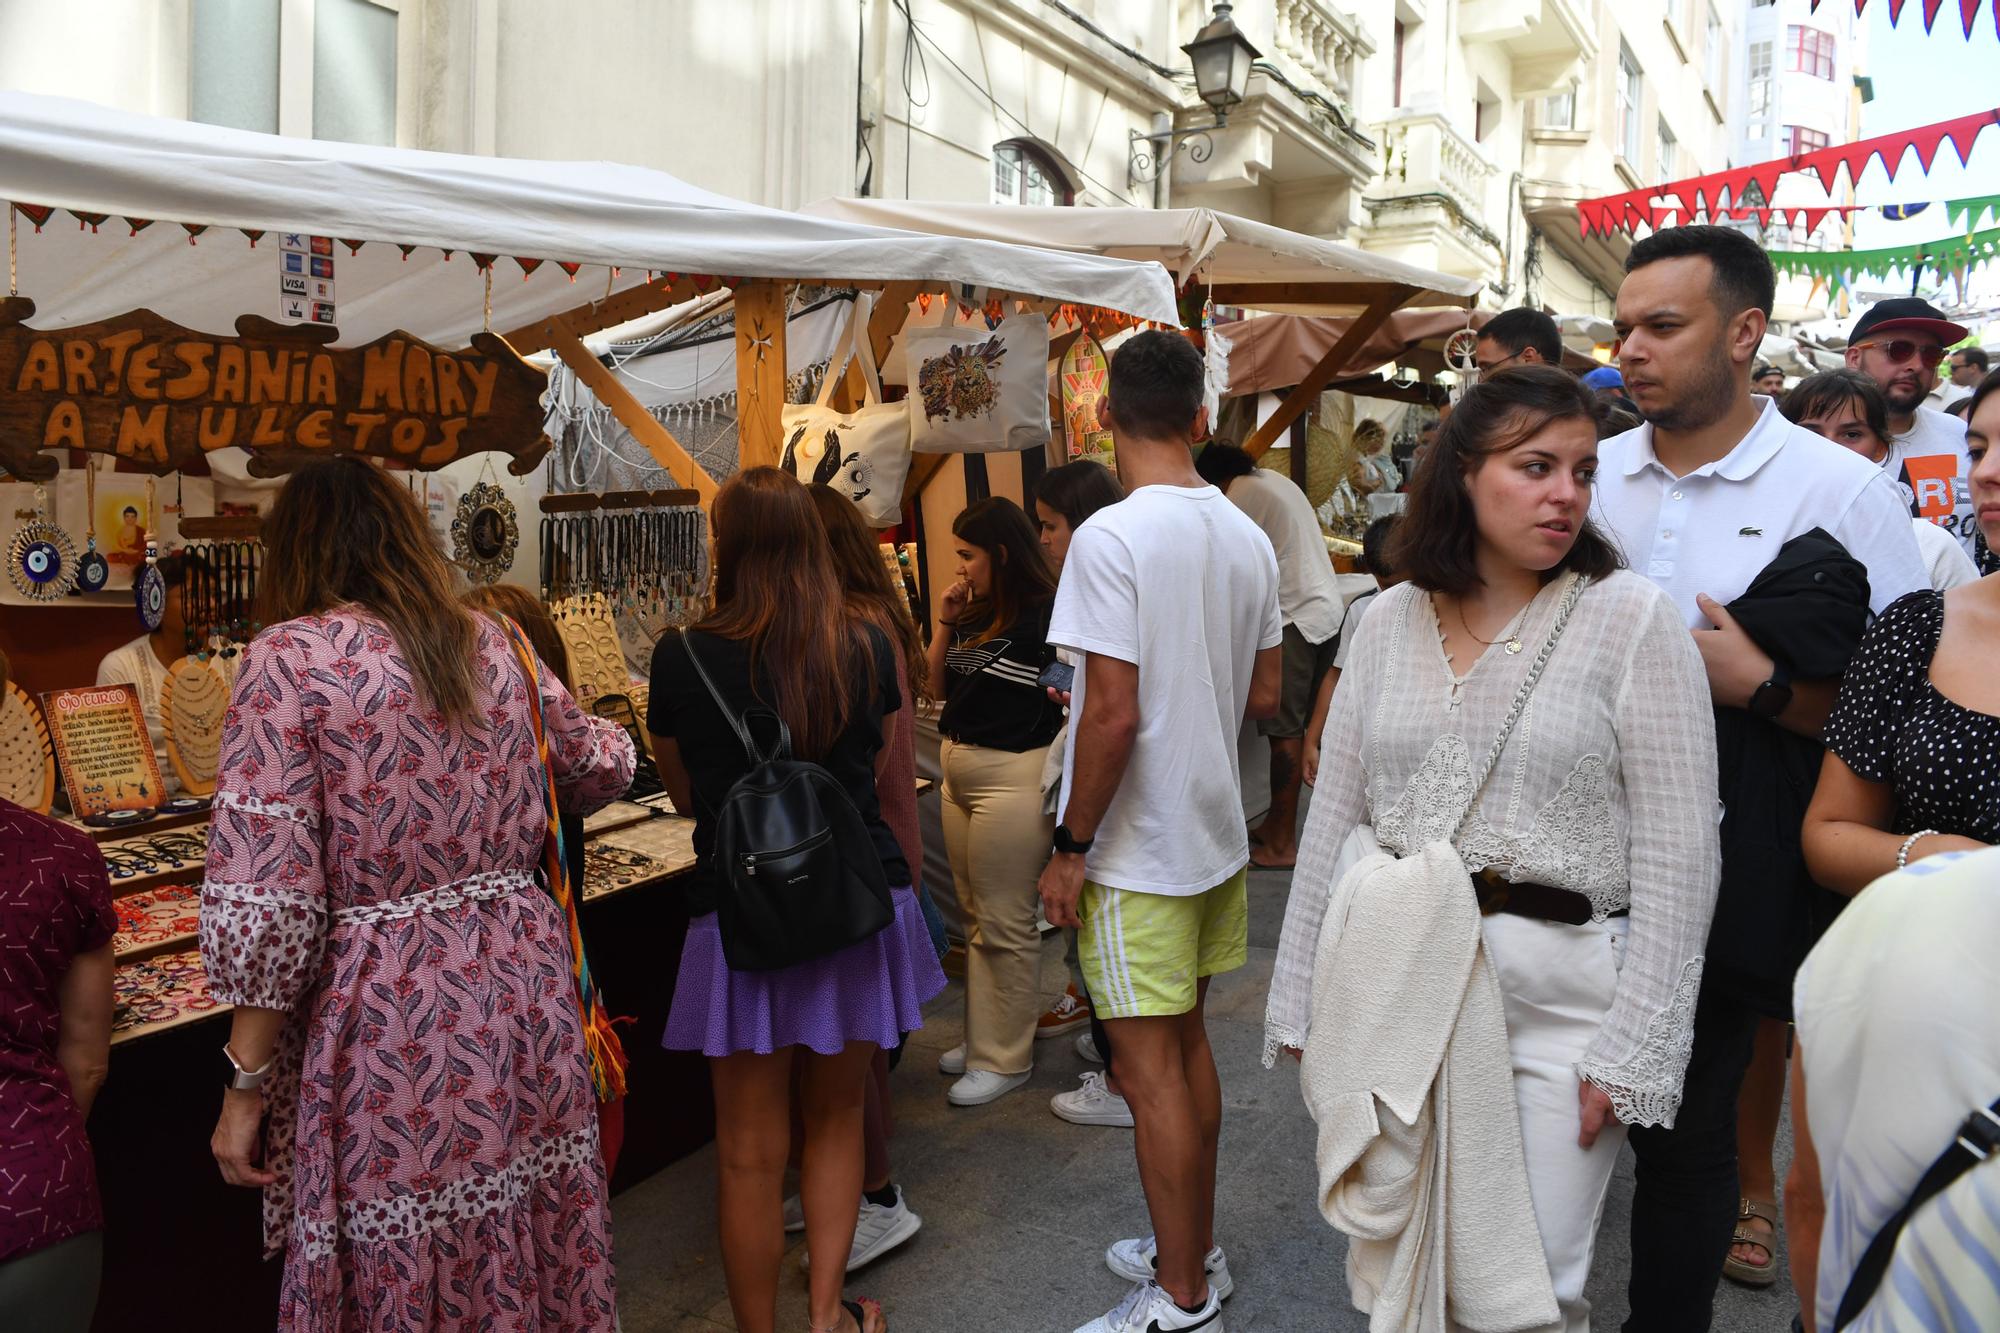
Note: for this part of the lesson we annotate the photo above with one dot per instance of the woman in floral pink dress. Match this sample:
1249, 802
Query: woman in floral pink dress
411, 1086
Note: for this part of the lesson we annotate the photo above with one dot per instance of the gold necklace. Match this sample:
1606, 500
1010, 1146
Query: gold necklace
1513, 640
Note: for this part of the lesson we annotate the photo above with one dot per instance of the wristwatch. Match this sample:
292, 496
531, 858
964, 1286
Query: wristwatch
241, 1079
1069, 844
1774, 696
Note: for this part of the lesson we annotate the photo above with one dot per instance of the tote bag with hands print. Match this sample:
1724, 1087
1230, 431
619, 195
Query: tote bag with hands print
976, 390
863, 454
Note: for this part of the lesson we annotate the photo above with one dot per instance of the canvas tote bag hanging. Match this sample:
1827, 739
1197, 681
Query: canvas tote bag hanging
978, 390
863, 454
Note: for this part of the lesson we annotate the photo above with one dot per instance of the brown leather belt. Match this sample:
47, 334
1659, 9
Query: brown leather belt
1537, 901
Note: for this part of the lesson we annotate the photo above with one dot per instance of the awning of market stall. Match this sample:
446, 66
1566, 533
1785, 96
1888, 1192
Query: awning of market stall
1239, 262
1279, 351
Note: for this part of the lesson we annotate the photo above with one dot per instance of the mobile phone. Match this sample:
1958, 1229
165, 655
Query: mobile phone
1058, 676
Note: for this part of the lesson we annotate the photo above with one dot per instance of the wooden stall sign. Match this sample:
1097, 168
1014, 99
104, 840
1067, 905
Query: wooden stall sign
101, 742
161, 396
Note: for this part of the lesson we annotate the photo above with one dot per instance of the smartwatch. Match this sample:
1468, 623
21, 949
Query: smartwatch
239, 1078
1069, 844
1774, 696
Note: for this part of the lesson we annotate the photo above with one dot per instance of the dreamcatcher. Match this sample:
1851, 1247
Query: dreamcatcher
193, 699
41, 560
27, 759
93, 571
1460, 355
485, 533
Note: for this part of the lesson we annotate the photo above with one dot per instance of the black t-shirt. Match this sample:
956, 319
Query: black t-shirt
993, 694
682, 709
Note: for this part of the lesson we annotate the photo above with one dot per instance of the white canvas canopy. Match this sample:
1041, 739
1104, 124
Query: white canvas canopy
160, 174
1218, 249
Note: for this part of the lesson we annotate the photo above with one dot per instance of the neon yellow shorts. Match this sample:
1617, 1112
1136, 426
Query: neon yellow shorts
1142, 953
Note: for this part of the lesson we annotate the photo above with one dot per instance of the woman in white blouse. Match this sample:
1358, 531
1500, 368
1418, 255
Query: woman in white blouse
1599, 816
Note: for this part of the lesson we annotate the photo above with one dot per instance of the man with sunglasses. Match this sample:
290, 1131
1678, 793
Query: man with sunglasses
1899, 344
1517, 337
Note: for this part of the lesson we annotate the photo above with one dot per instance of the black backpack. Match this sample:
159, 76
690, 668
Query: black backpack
797, 875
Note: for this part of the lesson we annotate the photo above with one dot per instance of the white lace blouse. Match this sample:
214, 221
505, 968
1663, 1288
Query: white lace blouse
1606, 787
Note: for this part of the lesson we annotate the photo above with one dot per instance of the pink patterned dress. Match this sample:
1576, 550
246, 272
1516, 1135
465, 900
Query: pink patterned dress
371, 870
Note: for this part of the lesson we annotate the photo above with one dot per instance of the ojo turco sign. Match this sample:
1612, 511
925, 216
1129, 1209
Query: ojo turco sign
162, 396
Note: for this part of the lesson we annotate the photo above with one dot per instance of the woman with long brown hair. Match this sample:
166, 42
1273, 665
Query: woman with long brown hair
780, 639
988, 651
372, 911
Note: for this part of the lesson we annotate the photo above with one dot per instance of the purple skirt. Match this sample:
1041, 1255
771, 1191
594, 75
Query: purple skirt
871, 991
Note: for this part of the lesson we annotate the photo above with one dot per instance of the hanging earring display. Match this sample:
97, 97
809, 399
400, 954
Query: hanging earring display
93, 571
485, 533
41, 560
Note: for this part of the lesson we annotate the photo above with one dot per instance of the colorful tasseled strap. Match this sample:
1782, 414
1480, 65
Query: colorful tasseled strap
607, 1056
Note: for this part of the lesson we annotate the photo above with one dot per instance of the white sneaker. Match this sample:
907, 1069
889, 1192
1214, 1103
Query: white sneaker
795, 1215
980, 1086
1148, 1309
877, 1230
1137, 1260
1094, 1103
952, 1061
1086, 1046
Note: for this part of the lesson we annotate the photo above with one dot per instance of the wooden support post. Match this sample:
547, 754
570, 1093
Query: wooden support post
760, 372
645, 428
922, 468
1330, 365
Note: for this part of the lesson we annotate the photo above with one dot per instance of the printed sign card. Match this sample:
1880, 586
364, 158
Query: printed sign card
102, 745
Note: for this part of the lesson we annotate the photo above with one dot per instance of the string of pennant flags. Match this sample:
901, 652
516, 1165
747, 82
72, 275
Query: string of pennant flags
1743, 192
1840, 267
1968, 214
1967, 10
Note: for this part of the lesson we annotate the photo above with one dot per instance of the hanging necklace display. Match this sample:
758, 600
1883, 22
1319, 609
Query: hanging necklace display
41, 560
485, 533
93, 571
193, 698
27, 758
149, 588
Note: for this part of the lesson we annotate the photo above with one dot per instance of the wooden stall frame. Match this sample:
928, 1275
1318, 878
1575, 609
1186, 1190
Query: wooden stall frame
1386, 300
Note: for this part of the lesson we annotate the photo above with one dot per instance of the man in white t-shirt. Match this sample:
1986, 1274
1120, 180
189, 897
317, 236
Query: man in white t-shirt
1170, 598
1309, 604
1899, 344
1700, 499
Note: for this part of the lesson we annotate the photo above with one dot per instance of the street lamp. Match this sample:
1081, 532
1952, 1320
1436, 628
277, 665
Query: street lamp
1221, 56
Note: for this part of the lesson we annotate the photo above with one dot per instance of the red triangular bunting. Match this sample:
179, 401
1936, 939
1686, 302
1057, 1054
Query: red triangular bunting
193, 229
1813, 217
353, 247
569, 266
528, 266
1930, 12
406, 251
1763, 216
255, 236
1966, 9
90, 220
138, 224
481, 262
36, 213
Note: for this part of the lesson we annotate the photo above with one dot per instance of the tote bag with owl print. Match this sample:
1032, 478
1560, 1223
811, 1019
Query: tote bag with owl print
977, 390
863, 454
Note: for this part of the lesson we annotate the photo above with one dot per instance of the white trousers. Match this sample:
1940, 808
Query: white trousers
1557, 984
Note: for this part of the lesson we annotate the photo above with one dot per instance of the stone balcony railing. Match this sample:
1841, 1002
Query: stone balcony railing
1425, 154
1322, 46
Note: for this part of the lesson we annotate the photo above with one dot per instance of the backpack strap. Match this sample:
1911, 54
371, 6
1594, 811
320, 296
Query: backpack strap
1978, 1139
736, 720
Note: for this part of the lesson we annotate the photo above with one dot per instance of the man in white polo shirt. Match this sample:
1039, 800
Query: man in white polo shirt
1700, 499
1899, 344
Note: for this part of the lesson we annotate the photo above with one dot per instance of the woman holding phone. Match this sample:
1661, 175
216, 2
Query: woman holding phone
988, 650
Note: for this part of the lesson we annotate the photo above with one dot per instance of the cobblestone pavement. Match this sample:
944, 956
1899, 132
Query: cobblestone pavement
1018, 1205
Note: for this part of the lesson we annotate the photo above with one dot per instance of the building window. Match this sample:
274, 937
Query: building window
354, 71
1025, 174
1811, 51
1799, 139
1669, 152
1758, 123
1713, 53
233, 64
1402, 38
1558, 112
1631, 97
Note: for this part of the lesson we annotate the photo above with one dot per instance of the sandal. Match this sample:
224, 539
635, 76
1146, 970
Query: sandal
867, 1316
1743, 1271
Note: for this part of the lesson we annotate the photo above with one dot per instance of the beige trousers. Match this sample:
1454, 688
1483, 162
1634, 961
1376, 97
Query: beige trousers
997, 836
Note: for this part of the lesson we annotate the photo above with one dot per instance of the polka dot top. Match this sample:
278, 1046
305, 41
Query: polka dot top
1941, 759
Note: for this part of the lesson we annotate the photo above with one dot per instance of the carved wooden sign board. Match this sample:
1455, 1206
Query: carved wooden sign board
161, 396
